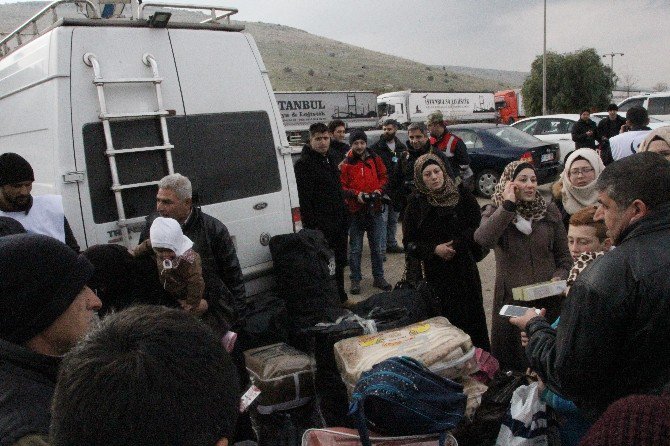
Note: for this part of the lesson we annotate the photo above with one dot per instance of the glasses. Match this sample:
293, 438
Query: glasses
582, 171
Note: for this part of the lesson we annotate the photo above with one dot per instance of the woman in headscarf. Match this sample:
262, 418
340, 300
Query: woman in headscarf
576, 189
658, 140
530, 245
438, 228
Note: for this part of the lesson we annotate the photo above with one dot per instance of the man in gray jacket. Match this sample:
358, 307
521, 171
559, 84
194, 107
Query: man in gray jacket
614, 333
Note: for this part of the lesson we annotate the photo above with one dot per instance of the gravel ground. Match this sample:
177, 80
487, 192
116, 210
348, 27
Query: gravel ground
394, 265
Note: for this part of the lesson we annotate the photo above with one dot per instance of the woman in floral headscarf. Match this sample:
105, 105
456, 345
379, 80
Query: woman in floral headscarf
530, 245
440, 220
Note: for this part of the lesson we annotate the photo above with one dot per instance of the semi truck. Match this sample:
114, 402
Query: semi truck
510, 106
415, 106
300, 109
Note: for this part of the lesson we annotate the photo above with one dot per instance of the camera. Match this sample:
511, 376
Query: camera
374, 197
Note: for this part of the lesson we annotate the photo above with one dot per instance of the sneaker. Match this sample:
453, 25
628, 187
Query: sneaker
355, 287
397, 249
382, 284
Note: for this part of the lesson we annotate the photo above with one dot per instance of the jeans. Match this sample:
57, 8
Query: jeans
391, 224
362, 222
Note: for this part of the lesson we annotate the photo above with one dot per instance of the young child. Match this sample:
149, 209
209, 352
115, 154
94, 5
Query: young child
179, 267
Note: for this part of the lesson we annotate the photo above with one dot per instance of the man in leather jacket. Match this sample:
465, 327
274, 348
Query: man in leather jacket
224, 284
613, 336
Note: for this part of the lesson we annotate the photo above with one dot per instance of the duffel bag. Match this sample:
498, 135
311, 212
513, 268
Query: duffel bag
283, 374
304, 267
342, 436
395, 308
400, 396
266, 321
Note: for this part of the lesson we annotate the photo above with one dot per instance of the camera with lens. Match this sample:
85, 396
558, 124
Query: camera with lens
374, 198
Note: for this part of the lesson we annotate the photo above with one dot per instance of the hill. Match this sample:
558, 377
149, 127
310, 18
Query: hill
297, 60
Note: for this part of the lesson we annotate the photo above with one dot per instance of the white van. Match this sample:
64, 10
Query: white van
657, 104
104, 108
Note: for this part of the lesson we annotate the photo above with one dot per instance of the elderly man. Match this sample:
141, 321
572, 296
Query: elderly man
149, 376
224, 284
39, 215
45, 309
614, 333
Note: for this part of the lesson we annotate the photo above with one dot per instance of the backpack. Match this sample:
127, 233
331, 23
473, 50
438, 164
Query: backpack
400, 396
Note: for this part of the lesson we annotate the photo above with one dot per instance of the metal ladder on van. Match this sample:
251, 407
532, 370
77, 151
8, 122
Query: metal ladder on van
106, 117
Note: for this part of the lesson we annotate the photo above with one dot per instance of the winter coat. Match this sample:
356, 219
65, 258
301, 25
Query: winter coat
455, 281
390, 158
456, 151
580, 137
522, 260
183, 282
338, 150
27, 382
224, 283
320, 191
361, 175
614, 332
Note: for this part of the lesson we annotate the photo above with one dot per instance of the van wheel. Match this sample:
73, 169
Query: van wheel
485, 182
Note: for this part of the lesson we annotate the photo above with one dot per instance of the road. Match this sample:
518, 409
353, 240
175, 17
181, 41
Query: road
394, 266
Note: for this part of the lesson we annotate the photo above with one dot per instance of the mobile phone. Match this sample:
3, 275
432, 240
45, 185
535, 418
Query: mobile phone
514, 311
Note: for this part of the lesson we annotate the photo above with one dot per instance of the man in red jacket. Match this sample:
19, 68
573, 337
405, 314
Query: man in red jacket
451, 145
364, 179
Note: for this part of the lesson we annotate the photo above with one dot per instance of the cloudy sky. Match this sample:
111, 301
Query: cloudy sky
501, 34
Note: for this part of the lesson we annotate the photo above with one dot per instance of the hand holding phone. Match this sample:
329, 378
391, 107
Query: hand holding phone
515, 311
510, 192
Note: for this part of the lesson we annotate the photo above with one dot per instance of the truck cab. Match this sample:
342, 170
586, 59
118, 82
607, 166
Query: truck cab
104, 108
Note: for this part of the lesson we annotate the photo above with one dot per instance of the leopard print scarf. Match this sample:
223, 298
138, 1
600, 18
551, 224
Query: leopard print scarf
528, 210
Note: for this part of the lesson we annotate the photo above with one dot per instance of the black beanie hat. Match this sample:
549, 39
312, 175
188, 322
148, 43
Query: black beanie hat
356, 135
39, 279
14, 169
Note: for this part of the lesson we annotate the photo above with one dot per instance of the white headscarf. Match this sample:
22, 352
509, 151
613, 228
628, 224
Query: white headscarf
577, 198
166, 233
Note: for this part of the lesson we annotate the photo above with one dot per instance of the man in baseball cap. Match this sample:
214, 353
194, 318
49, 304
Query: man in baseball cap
451, 145
42, 214
45, 309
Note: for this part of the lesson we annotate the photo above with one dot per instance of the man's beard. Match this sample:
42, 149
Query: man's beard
388, 136
21, 203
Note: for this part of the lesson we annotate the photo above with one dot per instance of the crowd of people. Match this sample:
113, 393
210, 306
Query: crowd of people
597, 349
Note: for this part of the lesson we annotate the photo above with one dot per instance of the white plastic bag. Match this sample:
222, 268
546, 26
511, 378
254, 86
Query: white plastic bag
525, 423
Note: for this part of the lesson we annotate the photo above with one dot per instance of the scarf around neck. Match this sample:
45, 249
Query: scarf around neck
526, 210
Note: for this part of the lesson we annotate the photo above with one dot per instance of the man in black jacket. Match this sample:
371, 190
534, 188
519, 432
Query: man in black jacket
338, 147
607, 128
321, 198
390, 148
45, 309
613, 335
224, 284
584, 131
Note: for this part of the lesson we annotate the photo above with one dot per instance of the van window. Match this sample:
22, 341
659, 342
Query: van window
659, 106
227, 156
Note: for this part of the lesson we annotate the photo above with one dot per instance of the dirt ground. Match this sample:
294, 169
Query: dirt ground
394, 265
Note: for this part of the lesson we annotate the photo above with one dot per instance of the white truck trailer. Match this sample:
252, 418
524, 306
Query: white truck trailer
415, 106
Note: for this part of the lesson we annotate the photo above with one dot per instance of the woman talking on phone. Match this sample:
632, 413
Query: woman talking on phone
438, 228
530, 246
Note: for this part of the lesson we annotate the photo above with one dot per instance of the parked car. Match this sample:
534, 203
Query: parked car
657, 104
553, 128
491, 147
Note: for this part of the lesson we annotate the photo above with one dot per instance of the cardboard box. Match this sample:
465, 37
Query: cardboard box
539, 290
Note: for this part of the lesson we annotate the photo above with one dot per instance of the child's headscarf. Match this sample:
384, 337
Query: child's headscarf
166, 233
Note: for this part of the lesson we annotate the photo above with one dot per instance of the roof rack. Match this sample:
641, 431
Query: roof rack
91, 8
30, 29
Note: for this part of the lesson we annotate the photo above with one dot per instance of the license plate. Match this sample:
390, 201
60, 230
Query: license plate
547, 157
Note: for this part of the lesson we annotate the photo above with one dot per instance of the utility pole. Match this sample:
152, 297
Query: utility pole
544, 63
611, 55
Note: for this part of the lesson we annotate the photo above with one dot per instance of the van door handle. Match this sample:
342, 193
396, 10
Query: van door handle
260, 206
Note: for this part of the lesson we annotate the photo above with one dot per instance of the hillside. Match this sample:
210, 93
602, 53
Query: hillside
297, 60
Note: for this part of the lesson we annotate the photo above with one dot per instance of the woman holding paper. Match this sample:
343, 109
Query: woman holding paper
438, 228
530, 246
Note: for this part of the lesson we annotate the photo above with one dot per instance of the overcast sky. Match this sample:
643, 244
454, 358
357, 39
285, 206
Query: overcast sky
500, 34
